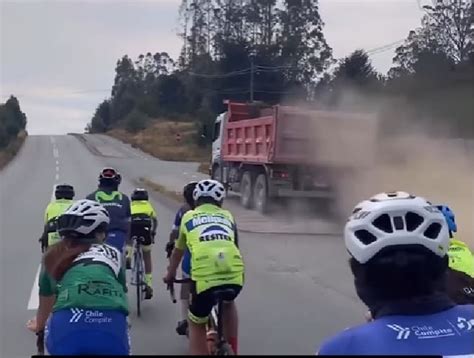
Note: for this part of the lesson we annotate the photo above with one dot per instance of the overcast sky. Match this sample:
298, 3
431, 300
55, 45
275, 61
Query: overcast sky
58, 57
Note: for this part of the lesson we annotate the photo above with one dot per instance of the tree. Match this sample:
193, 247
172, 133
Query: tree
303, 46
446, 28
12, 121
453, 22
101, 121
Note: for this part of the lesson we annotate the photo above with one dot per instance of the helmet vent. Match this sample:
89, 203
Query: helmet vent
365, 237
383, 223
433, 231
413, 221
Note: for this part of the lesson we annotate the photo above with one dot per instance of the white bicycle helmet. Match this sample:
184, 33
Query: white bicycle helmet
83, 217
391, 219
209, 188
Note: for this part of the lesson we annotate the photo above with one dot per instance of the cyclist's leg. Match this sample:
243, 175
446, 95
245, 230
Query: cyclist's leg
182, 326
185, 293
148, 270
201, 306
231, 319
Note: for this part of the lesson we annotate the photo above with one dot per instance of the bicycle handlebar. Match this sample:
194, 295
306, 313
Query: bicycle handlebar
40, 342
170, 287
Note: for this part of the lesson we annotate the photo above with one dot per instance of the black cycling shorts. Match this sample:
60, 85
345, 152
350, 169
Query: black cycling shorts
140, 228
202, 303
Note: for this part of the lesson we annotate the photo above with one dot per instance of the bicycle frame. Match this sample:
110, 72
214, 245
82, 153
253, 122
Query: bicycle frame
138, 272
215, 322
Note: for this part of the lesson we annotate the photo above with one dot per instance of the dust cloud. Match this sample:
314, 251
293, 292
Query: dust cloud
387, 150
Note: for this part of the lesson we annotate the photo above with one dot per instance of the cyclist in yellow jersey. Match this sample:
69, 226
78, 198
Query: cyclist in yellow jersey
461, 263
210, 234
141, 208
64, 195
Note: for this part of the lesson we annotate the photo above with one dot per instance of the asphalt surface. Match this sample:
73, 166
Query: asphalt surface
298, 288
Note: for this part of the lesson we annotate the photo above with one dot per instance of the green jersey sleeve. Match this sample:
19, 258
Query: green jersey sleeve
47, 285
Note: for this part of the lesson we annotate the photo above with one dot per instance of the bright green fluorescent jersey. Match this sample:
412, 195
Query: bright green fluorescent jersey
209, 232
53, 210
460, 257
96, 280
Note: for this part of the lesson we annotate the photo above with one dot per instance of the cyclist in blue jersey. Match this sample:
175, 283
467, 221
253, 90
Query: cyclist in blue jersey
188, 190
399, 258
117, 205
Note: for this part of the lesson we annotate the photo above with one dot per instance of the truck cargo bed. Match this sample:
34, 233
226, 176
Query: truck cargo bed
289, 135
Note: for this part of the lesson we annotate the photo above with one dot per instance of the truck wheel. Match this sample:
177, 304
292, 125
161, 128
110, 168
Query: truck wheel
246, 192
261, 194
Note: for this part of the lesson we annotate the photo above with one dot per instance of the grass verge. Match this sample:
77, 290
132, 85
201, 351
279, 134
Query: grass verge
161, 189
7, 154
159, 140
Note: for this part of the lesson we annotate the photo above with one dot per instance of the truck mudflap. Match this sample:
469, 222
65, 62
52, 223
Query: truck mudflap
323, 193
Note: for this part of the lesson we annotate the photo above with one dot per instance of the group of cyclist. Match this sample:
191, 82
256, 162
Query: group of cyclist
411, 271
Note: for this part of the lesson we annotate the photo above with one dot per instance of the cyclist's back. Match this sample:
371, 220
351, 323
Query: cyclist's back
117, 205
218, 234
64, 195
449, 332
398, 244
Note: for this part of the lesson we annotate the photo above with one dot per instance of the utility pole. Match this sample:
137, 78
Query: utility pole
252, 67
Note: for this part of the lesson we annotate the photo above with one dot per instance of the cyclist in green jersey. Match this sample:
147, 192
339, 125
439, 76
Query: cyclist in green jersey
210, 234
144, 223
82, 284
63, 198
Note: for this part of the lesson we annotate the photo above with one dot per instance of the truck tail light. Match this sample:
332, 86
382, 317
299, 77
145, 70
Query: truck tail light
281, 175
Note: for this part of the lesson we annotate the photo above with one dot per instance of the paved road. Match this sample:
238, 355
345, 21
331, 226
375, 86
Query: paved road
298, 288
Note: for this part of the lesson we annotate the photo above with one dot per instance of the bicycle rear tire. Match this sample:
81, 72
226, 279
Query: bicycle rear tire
138, 281
224, 349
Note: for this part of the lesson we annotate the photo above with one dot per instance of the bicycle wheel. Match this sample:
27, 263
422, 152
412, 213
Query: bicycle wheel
224, 349
138, 272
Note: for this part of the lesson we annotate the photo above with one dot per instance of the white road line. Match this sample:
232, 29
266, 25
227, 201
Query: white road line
57, 176
55, 152
57, 168
57, 162
33, 303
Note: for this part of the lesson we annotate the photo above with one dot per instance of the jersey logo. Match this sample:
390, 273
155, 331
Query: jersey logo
101, 254
403, 332
208, 219
103, 196
215, 232
465, 324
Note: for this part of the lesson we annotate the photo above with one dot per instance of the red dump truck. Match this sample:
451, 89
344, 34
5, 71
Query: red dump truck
265, 152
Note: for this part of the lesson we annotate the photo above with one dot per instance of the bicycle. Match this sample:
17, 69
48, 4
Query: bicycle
141, 235
138, 271
215, 325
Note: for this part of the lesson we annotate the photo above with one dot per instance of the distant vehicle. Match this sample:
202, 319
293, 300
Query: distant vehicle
266, 152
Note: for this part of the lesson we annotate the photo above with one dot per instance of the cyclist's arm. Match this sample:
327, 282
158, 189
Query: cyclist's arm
236, 232
47, 298
175, 229
178, 251
122, 278
128, 215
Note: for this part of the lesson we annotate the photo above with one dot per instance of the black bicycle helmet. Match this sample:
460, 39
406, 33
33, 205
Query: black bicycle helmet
139, 194
188, 193
64, 191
